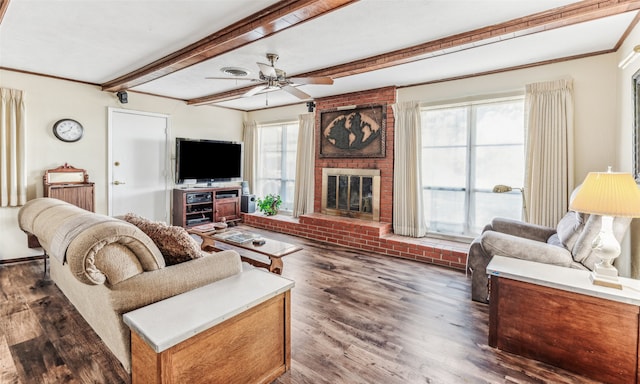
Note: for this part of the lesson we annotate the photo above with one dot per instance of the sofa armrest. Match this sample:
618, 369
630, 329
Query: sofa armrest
502, 244
152, 286
112, 251
492, 243
522, 229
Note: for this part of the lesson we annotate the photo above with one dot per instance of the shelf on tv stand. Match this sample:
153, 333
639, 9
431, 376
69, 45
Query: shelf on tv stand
225, 203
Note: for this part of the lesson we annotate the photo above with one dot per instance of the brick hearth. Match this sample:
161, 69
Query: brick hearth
365, 235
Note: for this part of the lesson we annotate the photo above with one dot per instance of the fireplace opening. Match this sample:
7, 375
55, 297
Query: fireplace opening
351, 192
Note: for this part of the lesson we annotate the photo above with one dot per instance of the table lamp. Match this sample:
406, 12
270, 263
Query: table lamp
607, 194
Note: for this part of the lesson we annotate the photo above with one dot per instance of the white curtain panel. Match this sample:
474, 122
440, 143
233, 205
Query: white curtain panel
408, 212
250, 153
549, 150
13, 137
305, 164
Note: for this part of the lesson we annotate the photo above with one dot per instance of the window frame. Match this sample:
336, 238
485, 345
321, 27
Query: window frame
282, 181
470, 152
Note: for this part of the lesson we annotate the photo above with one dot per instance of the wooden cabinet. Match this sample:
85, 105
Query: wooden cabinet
228, 207
71, 185
68, 184
205, 205
76, 194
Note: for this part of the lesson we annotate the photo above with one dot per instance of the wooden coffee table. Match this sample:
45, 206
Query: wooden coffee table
231, 239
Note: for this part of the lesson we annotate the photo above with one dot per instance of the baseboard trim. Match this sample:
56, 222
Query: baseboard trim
22, 259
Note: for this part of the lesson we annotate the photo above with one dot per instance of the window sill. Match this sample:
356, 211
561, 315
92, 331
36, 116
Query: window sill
450, 237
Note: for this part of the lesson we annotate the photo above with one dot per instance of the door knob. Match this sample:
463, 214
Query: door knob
118, 182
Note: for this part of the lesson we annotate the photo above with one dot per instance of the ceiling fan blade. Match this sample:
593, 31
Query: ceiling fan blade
255, 90
267, 70
311, 80
295, 92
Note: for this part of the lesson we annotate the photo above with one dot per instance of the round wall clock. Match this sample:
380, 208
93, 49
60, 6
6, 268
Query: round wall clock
68, 130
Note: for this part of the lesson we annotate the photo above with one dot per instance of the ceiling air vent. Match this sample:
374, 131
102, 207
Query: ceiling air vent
235, 71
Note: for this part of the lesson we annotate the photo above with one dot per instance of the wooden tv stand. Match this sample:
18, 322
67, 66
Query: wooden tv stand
196, 206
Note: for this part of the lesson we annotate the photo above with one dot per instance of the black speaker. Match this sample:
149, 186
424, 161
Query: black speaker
248, 203
123, 97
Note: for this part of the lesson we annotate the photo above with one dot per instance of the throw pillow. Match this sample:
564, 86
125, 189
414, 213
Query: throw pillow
569, 229
555, 240
175, 243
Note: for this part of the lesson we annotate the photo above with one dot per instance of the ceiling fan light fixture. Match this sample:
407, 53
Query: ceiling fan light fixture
235, 71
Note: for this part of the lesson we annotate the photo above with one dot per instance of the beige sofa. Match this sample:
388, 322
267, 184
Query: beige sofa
107, 266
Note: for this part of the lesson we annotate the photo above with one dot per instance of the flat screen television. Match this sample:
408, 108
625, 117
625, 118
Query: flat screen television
208, 160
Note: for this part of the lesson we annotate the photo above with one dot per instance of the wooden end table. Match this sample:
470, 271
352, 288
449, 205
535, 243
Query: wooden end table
235, 330
556, 315
273, 249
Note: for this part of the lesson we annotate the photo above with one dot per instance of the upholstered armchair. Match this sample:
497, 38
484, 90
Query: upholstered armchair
567, 245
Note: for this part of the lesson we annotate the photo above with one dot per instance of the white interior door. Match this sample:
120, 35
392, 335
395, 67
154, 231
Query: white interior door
139, 164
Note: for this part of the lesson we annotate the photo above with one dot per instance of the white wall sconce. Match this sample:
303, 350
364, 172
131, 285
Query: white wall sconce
630, 58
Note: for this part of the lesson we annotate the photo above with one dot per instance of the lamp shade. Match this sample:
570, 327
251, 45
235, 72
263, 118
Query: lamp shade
608, 194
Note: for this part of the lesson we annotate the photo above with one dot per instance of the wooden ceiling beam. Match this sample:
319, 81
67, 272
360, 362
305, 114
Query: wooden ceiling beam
269, 21
544, 21
4, 5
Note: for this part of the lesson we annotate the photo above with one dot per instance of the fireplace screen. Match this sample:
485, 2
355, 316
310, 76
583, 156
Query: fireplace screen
351, 192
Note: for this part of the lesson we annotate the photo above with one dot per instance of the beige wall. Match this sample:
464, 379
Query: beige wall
271, 115
49, 100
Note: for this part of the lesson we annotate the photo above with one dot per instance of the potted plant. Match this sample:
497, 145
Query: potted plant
270, 204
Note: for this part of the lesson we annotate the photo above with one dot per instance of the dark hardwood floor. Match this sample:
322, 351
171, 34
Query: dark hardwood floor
356, 318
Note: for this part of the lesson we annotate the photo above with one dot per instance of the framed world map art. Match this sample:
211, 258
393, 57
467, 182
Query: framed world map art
355, 132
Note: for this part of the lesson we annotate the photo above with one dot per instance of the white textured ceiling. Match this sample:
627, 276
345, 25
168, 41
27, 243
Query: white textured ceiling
96, 41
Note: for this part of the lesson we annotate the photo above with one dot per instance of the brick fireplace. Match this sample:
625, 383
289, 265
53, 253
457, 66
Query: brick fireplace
382, 96
356, 231
351, 192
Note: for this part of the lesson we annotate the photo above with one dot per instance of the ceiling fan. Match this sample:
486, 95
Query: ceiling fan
271, 78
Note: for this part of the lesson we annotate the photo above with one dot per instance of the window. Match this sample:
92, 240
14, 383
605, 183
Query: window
276, 161
467, 149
